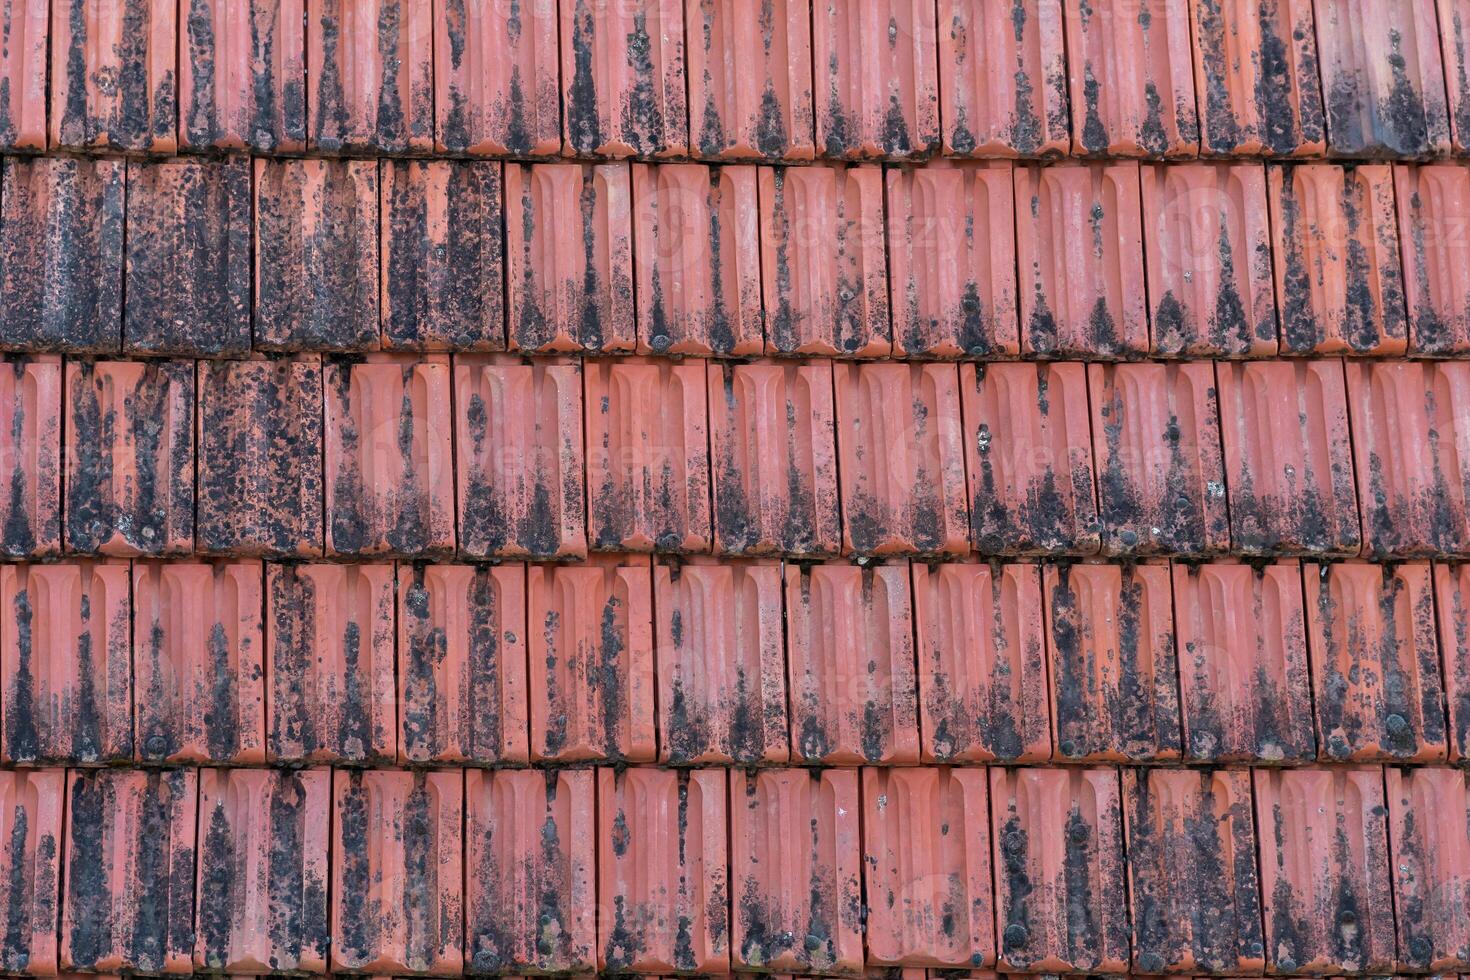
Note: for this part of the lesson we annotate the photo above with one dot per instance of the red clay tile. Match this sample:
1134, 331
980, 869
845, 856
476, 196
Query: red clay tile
23, 70
316, 254
389, 456
1375, 663
30, 457
663, 893
397, 872
1003, 79
1452, 603
113, 75
982, 663
1192, 871
130, 838
1430, 835
750, 79
188, 258
647, 455
901, 461
698, 259
1079, 248
1241, 636
721, 663
824, 270
1208, 251
1114, 674
129, 457
371, 84
1130, 70
262, 879
1255, 72
622, 78
926, 867
795, 863
1336, 242
1383, 79
242, 75
443, 265
569, 257
876, 72
199, 692
1454, 26
329, 660
66, 660
529, 865
1288, 460
30, 820
591, 656
61, 254
773, 436
260, 457
496, 88
957, 287
1160, 474
850, 655
1060, 898
518, 441
1029, 449
1433, 200
1324, 869
1412, 456
462, 664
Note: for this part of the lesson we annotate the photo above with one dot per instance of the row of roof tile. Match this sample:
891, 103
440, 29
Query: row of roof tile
658, 871
721, 79
976, 260
740, 662
493, 456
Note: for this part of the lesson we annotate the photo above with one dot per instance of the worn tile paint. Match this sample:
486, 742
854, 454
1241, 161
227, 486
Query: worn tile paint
370, 88
30, 456
113, 81
242, 75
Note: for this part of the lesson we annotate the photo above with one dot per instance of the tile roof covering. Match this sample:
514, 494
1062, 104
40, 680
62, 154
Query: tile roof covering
893, 488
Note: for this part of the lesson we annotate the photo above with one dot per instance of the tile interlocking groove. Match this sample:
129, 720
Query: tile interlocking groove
902, 488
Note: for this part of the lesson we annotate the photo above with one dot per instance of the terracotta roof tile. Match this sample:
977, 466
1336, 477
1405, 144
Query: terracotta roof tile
591, 656
900, 461
795, 859
1432, 200
1003, 78
1061, 901
316, 255
1430, 813
1324, 869
113, 78
329, 663
1114, 676
1192, 871
1452, 603
648, 456
518, 448
773, 440
750, 80
496, 78
1079, 249
952, 260
371, 85
982, 663
397, 873
622, 77
443, 273
263, 870
530, 860
31, 805
1375, 663
1240, 632
850, 654
721, 663
462, 665
30, 456
696, 232
242, 75
61, 254
23, 66
662, 879
1454, 19
1130, 70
